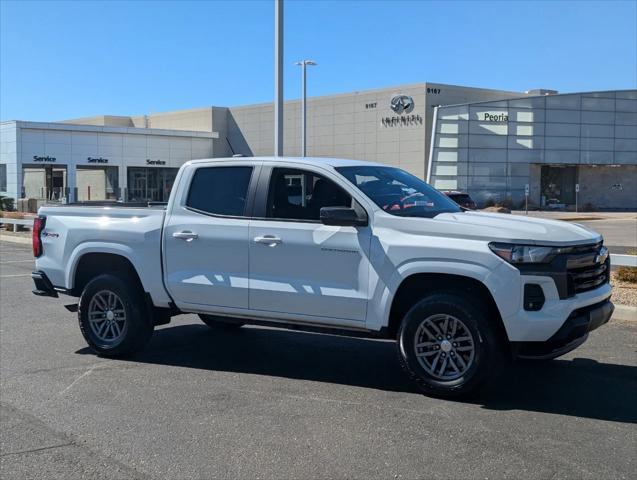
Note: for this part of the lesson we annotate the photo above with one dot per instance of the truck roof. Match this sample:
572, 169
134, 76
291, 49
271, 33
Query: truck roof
333, 162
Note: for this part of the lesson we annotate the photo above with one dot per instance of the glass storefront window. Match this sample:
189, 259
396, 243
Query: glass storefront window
44, 182
97, 183
150, 184
3, 177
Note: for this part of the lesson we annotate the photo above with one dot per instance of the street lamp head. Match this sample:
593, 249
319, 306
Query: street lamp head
305, 62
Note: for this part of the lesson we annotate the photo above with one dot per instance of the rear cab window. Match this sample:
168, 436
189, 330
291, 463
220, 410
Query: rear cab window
220, 190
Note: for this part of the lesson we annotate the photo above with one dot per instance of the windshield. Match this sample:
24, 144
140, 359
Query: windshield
398, 192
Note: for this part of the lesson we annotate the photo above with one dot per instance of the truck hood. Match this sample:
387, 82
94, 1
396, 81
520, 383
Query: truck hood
503, 228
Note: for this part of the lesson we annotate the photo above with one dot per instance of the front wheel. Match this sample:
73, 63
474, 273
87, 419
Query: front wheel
112, 316
449, 346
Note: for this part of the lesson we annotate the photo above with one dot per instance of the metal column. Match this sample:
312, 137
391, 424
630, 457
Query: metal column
278, 78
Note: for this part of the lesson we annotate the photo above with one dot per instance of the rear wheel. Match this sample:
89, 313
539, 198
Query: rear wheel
112, 316
220, 322
448, 345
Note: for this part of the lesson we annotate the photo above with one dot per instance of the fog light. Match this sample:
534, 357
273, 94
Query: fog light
533, 297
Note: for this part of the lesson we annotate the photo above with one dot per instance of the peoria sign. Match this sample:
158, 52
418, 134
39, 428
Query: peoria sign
495, 117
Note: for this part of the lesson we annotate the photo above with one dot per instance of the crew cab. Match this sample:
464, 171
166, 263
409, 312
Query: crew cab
341, 245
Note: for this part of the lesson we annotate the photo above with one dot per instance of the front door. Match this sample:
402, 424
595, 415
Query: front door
206, 240
298, 265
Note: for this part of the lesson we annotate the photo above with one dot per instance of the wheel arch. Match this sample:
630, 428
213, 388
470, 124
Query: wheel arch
88, 262
414, 286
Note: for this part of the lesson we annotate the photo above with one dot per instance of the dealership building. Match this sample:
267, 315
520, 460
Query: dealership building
491, 143
561, 149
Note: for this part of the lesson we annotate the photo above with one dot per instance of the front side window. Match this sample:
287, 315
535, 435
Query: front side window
398, 192
300, 195
220, 190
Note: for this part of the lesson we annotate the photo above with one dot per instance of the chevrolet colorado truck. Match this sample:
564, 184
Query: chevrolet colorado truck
342, 245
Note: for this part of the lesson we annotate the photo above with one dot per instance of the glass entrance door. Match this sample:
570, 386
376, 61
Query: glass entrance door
558, 186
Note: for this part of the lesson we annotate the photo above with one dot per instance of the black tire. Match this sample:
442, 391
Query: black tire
488, 346
220, 323
137, 327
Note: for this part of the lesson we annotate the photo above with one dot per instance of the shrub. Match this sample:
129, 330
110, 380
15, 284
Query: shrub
6, 204
626, 274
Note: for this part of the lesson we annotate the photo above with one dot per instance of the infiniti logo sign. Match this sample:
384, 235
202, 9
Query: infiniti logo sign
402, 104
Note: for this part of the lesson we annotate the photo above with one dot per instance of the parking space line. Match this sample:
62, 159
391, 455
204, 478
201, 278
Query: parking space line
17, 275
15, 261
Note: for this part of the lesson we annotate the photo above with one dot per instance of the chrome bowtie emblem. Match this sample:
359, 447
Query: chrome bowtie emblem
602, 255
402, 103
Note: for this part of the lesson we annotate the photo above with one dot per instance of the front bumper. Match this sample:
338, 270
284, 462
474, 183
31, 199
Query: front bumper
570, 335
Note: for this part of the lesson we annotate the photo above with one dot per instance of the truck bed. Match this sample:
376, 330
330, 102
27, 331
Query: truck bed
130, 231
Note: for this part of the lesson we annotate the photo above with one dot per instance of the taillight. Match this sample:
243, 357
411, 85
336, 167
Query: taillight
36, 232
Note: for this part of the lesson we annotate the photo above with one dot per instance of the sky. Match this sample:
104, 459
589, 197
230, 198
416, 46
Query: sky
61, 60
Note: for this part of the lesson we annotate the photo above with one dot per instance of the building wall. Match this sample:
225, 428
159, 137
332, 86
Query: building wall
9, 147
604, 186
73, 145
490, 149
359, 125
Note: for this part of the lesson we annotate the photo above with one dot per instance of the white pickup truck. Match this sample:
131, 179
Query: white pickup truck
344, 245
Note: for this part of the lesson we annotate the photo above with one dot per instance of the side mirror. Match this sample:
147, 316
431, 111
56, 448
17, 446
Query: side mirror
342, 217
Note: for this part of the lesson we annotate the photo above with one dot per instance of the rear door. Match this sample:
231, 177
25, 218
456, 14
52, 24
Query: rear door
298, 266
206, 237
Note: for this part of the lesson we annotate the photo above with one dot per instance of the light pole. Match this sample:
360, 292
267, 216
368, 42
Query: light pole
278, 78
304, 64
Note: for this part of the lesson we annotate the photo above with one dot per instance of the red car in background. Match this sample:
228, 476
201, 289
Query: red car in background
461, 198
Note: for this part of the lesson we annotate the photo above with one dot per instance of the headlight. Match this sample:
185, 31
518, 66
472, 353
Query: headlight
517, 254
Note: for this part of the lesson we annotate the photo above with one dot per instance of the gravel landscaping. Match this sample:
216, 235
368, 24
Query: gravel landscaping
624, 293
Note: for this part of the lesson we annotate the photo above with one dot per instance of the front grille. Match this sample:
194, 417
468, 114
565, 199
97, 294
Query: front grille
584, 272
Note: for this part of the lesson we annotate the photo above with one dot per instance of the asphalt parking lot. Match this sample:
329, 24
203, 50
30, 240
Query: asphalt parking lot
266, 403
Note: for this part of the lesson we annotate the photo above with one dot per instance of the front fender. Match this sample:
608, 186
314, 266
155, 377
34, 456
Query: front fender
501, 283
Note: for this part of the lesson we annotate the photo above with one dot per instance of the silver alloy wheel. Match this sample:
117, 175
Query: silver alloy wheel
107, 317
444, 347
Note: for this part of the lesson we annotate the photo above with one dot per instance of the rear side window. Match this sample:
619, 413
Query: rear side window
220, 190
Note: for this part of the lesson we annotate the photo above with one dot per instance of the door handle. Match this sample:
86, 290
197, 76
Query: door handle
269, 240
186, 235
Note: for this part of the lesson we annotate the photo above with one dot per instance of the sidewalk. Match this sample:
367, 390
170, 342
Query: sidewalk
624, 313
20, 237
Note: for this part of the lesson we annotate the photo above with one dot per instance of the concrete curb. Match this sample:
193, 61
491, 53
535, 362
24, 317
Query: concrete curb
625, 313
15, 239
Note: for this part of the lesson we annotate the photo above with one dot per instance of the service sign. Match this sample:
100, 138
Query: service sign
37, 158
